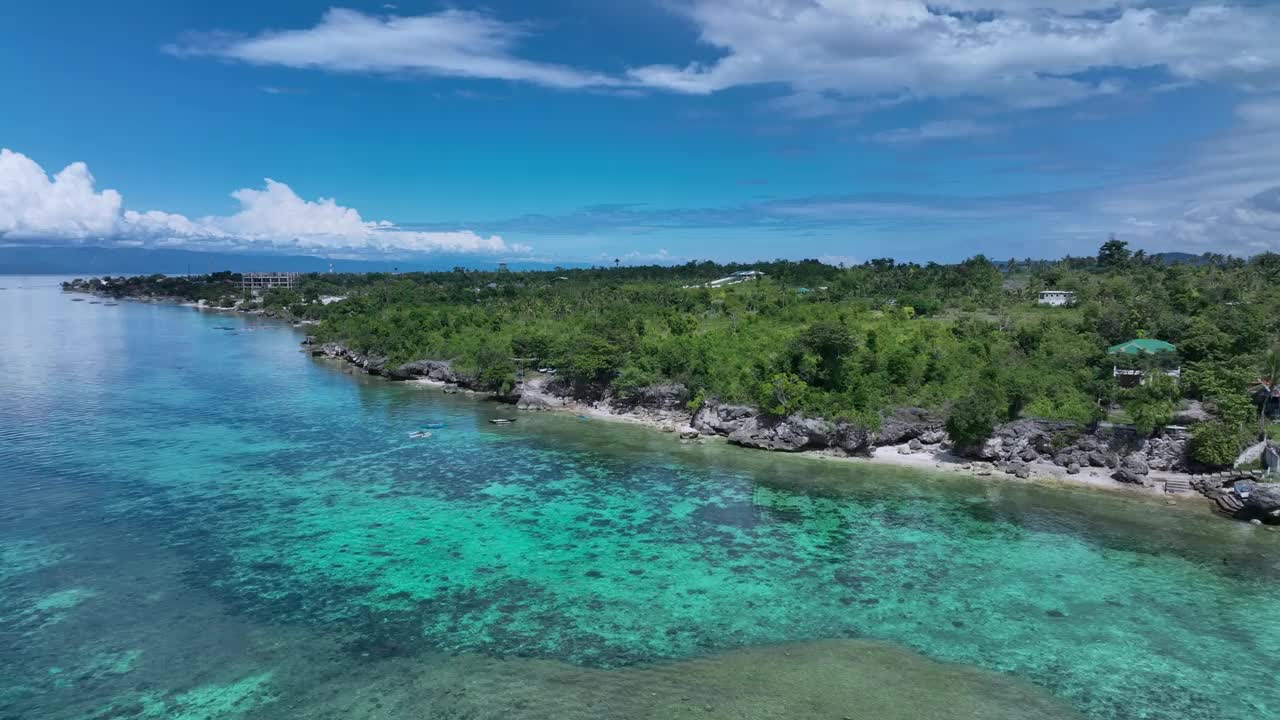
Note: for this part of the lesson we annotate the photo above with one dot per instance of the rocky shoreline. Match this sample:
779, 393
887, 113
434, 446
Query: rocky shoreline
1108, 457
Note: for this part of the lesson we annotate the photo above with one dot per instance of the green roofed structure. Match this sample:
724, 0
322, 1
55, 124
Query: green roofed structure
1136, 347
1140, 346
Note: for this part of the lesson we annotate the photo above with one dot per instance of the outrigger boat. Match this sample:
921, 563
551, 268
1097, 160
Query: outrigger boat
419, 434
502, 421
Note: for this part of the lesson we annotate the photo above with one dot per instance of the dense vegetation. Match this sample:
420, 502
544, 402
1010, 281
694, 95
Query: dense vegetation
967, 339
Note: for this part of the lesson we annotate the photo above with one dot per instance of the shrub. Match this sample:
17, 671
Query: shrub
1217, 443
974, 417
782, 394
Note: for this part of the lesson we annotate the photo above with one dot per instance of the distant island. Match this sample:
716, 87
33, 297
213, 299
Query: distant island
1136, 365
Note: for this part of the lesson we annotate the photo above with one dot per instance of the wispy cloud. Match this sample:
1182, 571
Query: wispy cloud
830, 56
1221, 197
1221, 194
884, 210
452, 43
936, 130
68, 208
1023, 53
276, 90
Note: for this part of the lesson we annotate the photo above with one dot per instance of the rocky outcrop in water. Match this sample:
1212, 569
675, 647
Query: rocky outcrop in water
1263, 501
372, 364
1242, 497
435, 370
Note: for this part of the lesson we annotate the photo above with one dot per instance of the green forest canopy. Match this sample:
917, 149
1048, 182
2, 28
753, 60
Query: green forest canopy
967, 339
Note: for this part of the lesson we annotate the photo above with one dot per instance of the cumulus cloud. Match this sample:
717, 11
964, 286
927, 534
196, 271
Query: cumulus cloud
1027, 53
69, 208
451, 43
66, 205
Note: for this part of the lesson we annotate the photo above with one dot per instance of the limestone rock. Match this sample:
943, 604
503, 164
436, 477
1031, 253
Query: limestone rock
714, 418
789, 434
906, 424
1130, 477
1135, 463
1010, 441
1262, 500
660, 396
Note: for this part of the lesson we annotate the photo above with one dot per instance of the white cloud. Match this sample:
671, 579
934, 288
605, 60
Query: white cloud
828, 56
1246, 227
1028, 53
1224, 197
639, 257
66, 205
936, 130
69, 208
452, 43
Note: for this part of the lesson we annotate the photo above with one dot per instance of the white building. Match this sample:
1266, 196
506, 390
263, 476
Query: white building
268, 280
738, 277
1057, 298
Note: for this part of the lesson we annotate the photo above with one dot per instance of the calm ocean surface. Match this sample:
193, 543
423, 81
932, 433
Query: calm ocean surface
199, 521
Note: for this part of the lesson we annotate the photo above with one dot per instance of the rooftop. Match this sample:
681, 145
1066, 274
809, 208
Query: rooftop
1141, 345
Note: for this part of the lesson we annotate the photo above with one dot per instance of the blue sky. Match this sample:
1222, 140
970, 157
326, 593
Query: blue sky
577, 130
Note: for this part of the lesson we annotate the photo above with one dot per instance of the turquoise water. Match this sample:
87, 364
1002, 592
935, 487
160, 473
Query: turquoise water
199, 521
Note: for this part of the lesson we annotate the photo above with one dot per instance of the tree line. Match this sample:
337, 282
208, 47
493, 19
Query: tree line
966, 339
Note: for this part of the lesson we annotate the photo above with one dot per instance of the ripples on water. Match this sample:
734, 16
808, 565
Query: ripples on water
205, 523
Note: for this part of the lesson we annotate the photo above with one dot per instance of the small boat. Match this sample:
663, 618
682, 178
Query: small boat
95, 302
502, 421
109, 304
77, 299
419, 434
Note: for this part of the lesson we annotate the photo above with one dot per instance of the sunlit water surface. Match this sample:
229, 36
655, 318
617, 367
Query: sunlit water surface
199, 521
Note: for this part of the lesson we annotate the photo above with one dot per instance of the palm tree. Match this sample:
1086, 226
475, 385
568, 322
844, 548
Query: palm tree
1269, 383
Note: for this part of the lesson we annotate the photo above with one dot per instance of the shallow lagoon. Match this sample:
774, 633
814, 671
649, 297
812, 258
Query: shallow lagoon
201, 522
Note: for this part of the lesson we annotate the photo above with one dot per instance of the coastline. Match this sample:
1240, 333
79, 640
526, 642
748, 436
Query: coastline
932, 461
199, 305
680, 423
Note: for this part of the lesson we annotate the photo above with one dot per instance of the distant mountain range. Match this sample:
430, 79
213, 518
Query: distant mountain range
32, 260
39, 260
